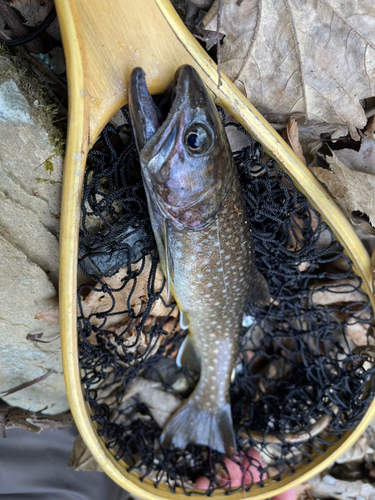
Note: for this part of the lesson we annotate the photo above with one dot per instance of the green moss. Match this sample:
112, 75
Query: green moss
48, 166
45, 181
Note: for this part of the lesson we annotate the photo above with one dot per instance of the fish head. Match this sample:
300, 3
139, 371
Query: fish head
187, 165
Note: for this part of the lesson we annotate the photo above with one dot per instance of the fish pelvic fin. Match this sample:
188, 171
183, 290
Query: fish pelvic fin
187, 356
193, 425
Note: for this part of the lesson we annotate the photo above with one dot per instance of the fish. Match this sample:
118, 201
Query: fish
199, 219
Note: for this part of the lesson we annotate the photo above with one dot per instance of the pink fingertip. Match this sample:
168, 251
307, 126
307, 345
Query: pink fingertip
202, 483
235, 474
287, 495
252, 474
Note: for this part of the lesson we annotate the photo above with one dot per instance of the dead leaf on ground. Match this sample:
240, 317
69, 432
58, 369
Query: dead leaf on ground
353, 191
326, 486
81, 458
297, 226
362, 160
290, 135
355, 330
34, 12
98, 302
356, 325
337, 292
370, 127
161, 404
310, 136
50, 315
313, 58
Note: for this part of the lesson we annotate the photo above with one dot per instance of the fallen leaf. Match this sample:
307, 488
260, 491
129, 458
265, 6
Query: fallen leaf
33, 11
160, 403
362, 160
290, 135
297, 226
98, 302
81, 458
357, 331
326, 486
370, 127
353, 191
339, 291
50, 315
311, 135
315, 58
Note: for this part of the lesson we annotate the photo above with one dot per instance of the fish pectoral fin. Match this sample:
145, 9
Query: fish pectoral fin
192, 425
260, 293
168, 261
184, 322
187, 355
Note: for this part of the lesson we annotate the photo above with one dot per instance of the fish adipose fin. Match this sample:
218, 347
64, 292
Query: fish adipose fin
192, 425
187, 355
260, 293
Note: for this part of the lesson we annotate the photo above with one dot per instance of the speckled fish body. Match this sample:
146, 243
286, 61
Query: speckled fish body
199, 220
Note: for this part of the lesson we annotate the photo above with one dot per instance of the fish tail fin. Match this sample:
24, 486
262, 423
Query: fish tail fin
193, 425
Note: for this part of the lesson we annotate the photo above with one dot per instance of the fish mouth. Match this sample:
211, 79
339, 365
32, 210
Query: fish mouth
154, 122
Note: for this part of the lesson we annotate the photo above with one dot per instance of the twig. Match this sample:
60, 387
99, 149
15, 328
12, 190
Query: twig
218, 47
18, 29
18, 418
291, 438
27, 384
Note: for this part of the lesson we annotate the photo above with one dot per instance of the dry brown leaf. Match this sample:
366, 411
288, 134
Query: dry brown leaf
362, 160
81, 458
325, 486
315, 58
290, 135
370, 127
98, 302
296, 226
33, 11
310, 136
339, 291
160, 403
50, 315
356, 331
353, 191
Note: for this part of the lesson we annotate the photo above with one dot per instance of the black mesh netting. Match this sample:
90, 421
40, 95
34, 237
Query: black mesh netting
298, 385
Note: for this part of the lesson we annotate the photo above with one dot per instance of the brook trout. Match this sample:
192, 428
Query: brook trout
198, 216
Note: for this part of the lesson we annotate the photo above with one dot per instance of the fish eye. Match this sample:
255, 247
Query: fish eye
198, 139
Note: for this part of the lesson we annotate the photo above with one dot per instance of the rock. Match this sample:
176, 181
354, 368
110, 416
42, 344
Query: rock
30, 192
25, 289
30, 176
325, 486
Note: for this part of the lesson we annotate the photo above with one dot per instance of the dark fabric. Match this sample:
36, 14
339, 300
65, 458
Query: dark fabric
34, 467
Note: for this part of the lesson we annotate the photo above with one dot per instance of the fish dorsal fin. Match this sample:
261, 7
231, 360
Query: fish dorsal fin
168, 260
187, 356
